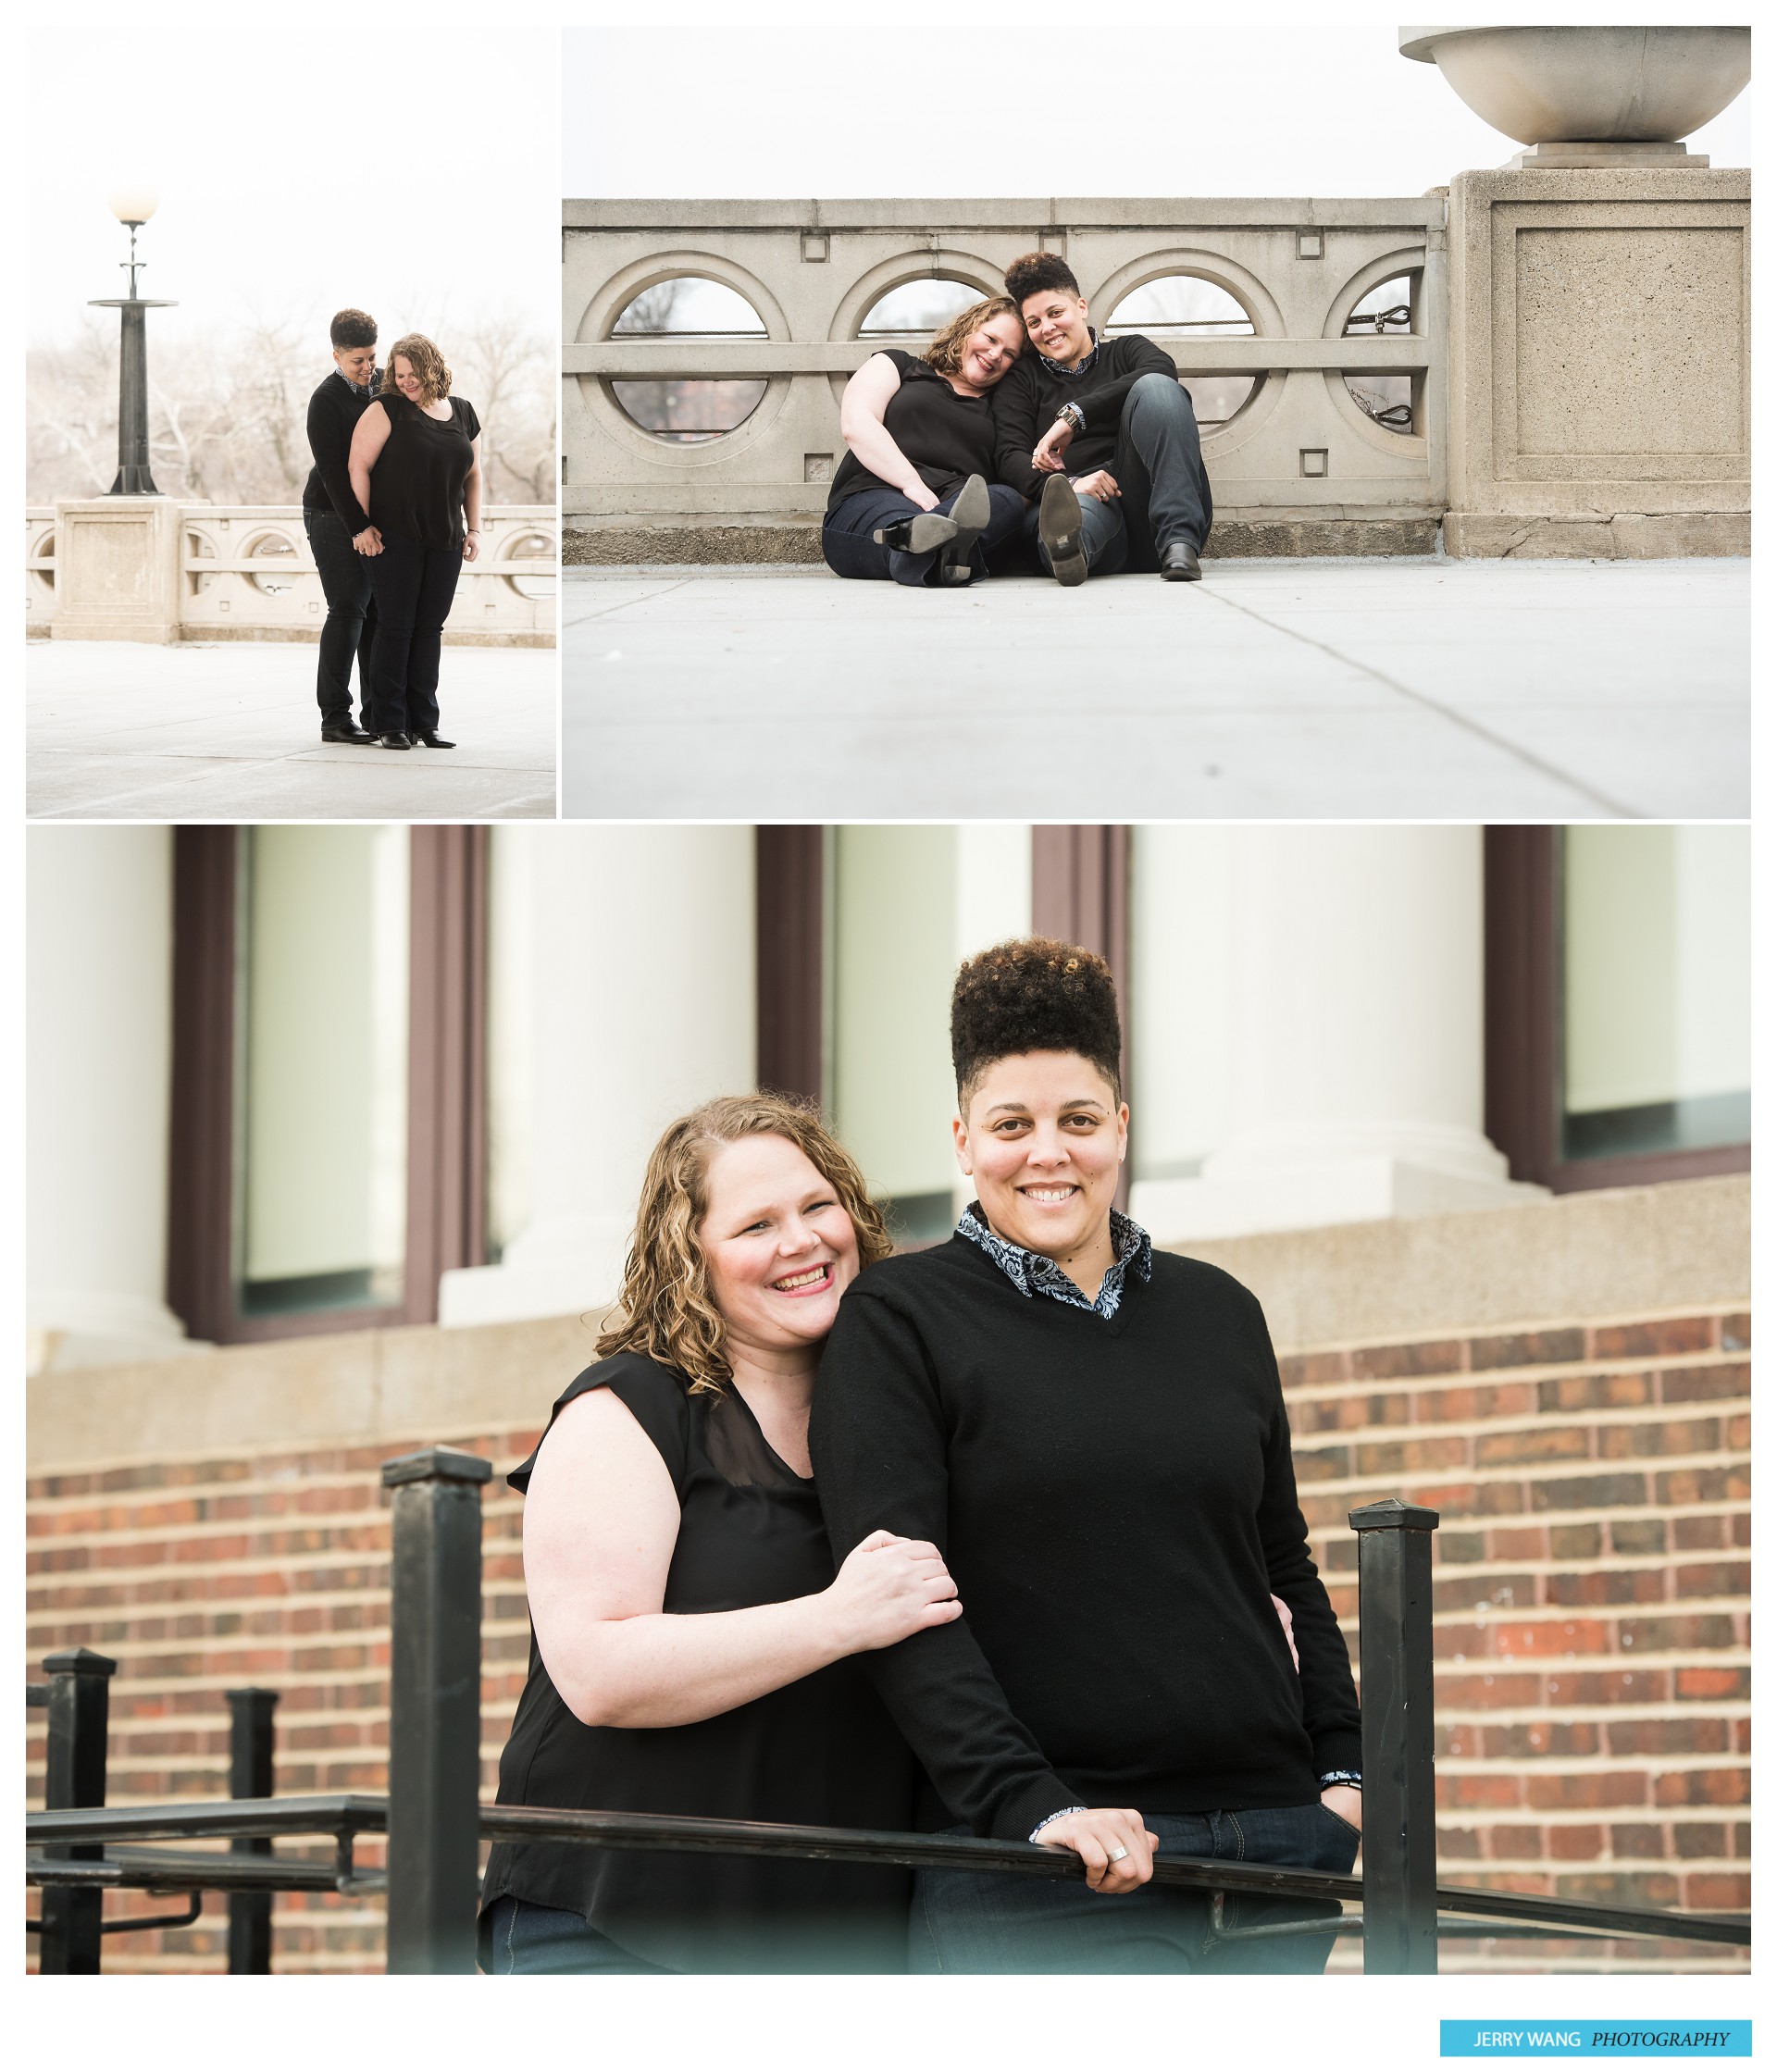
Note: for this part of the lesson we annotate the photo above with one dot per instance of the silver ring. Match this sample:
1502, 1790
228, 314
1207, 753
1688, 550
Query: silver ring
1118, 1854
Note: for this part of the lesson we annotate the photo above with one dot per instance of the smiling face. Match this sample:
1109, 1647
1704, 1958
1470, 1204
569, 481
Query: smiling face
406, 381
355, 363
1056, 323
778, 1245
990, 351
1042, 1140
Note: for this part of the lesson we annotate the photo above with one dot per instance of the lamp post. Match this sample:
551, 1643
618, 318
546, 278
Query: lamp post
132, 205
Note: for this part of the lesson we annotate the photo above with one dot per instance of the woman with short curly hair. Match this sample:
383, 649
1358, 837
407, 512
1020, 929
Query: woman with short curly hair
415, 467
911, 501
690, 1634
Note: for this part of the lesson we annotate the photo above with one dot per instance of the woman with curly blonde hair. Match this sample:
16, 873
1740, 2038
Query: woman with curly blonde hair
415, 467
912, 502
688, 1634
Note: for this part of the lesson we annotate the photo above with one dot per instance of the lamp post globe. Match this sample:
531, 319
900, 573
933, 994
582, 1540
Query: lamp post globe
132, 201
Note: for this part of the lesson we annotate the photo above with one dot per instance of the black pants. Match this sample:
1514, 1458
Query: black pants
351, 625
1159, 467
849, 550
413, 587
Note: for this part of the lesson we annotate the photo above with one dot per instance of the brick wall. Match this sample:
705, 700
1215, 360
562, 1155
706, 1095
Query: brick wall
1592, 1609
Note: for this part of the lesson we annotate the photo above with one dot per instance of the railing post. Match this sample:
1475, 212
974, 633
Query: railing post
434, 1708
1399, 1806
79, 1708
250, 1746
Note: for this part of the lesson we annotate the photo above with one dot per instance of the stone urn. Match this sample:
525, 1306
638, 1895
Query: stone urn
1591, 96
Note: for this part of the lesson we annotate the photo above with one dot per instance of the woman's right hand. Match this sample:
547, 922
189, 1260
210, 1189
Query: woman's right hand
887, 1588
1095, 1835
369, 542
927, 499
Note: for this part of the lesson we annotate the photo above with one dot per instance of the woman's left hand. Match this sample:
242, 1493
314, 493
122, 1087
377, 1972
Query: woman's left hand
1346, 1800
1052, 447
471, 546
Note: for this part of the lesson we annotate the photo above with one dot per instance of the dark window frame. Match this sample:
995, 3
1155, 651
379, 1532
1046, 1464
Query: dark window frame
1524, 1030
1079, 891
447, 1084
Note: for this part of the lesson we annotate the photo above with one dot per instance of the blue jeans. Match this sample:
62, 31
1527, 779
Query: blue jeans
350, 627
516, 1938
850, 550
1159, 467
970, 1922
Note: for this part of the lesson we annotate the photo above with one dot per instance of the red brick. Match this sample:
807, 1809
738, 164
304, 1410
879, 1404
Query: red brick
1464, 1592
1648, 1341
1636, 1838
1507, 1842
1576, 1845
1695, 1735
1412, 1457
1473, 1790
1674, 1635
1594, 1391
1713, 1579
1538, 1740
1390, 1363
1736, 1333
1472, 1402
1314, 1370
1609, 1586
1638, 1888
1588, 1788
1526, 1349
1589, 1493
1638, 1536
1518, 1543
1500, 1449
1720, 1892
1470, 1692
1699, 1837
1699, 1384
1701, 1684
1703, 1485
1551, 1637
1703, 1787
1623, 1441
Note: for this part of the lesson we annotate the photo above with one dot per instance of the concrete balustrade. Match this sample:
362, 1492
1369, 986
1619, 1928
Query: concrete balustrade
156, 570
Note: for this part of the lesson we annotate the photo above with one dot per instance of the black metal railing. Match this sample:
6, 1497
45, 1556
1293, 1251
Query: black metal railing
77, 1848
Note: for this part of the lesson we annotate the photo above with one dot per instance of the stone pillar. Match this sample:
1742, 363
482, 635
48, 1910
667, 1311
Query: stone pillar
98, 1003
641, 989
1600, 363
1355, 1031
117, 568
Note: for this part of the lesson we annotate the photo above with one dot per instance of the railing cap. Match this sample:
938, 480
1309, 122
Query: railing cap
1392, 1516
436, 1464
78, 1661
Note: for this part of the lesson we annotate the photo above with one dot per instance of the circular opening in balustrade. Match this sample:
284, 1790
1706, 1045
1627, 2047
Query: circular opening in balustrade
279, 580
530, 546
910, 314
1183, 305
45, 549
1384, 311
692, 410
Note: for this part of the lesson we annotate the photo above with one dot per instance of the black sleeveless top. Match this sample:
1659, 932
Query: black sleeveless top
822, 1751
948, 437
416, 485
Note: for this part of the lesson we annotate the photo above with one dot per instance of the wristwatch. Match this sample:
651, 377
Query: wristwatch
1070, 415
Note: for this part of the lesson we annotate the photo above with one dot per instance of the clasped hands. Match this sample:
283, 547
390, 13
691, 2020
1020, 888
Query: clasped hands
1097, 1836
368, 541
1050, 458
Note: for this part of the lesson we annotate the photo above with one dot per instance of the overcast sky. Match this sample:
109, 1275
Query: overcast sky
928, 107
304, 161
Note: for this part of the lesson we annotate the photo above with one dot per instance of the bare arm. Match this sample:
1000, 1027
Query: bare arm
368, 437
601, 1522
866, 397
472, 501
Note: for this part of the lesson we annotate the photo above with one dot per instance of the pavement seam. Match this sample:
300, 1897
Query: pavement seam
1526, 756
610, 611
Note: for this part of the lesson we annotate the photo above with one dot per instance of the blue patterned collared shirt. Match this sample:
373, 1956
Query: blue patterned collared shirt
1031, 1274
1074, 373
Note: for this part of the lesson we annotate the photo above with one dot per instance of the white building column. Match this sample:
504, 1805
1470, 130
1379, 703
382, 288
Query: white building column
98, 994
1355, 1036
641, 1003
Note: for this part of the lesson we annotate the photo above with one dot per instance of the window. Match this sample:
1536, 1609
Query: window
692, 411
1182, 305
1619, 1002
910, 314
329, 1050
1392, 401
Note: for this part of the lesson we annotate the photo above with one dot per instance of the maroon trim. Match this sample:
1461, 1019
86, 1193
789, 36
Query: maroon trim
200, 1166
1523, 869
789, 877
1079, 890
446, 1113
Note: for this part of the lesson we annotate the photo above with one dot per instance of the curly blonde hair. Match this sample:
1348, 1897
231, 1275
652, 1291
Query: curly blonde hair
427, 361
945, 353
664, 1309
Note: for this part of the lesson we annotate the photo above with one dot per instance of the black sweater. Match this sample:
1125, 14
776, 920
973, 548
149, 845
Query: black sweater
1117, 1504
334, 412
948, 437
1027, 402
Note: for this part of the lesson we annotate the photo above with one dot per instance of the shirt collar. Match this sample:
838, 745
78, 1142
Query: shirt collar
1031, 1274
1074, 373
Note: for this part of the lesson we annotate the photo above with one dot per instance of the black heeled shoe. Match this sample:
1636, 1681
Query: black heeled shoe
971, 513
394, 741
432, 741
917, 535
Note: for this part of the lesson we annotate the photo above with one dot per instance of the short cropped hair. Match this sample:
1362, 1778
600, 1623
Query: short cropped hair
664, 1309
1035, 994
427, 361
353, 327
1038, 270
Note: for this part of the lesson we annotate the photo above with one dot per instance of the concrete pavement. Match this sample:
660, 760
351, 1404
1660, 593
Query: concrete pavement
228, 731
1373, 689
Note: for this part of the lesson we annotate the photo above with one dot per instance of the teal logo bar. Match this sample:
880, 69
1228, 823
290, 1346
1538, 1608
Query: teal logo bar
1560, 2038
